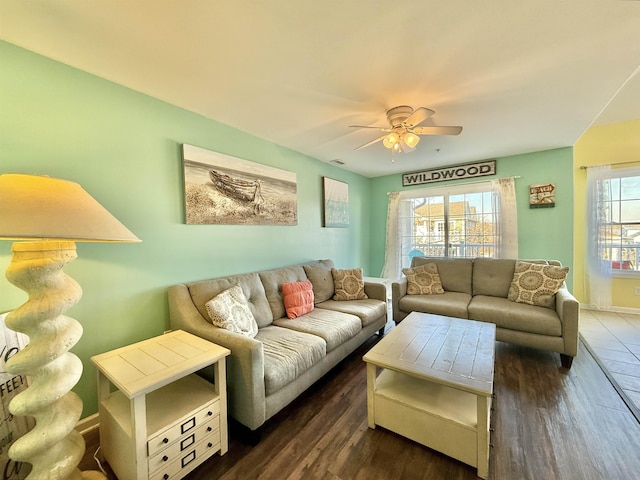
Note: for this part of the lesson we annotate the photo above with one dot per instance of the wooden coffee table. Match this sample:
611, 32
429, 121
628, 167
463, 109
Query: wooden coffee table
435, 385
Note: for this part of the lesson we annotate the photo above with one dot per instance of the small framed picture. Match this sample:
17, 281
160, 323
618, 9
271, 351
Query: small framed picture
335, 202
542, 196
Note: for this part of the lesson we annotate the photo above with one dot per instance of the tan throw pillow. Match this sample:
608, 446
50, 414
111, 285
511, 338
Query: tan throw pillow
348, 284
230, 310
536, 284
423, 280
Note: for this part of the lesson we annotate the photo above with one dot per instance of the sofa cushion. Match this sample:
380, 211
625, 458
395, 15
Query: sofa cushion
515, 316
349, 284
536, 284
229, 310
287, 355
368, 310
455, 273
298, 298
451, 304
272, 281
203, 291
320, 275
423, 280
334, 327
492, 276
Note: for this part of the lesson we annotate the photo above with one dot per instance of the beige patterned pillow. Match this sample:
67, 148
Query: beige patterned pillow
423, 279
348, 284
230, 310
536, 284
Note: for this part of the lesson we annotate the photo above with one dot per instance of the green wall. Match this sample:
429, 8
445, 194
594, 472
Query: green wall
542, 232
124, 148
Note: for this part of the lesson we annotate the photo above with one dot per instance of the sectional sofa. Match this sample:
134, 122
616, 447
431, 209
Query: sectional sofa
483, 289
275, 361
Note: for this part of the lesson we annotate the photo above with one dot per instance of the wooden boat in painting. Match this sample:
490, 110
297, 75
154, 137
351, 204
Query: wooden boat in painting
243, 190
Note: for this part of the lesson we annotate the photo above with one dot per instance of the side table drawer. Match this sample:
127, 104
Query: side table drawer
187, 461
184, 427
209, 432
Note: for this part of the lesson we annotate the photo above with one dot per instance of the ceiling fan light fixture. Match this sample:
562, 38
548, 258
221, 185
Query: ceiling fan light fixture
411, 139
391, 140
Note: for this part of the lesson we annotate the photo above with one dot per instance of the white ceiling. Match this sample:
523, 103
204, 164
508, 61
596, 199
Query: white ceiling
519, 76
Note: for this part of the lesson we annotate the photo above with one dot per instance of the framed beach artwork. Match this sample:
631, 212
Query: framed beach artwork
542, 196
223, 190
336, 202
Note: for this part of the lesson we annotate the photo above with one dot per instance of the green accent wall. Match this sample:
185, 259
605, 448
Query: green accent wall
542, 232
124, 148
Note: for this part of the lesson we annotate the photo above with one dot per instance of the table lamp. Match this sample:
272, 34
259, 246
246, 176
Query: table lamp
48, 215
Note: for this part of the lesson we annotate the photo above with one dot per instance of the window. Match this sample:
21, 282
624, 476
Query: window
469, 220
456, 222
618, 220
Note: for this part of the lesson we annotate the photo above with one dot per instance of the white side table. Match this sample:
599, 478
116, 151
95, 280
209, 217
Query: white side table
384, 281
162, 420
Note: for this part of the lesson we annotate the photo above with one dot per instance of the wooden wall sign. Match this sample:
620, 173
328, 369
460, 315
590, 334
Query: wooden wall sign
455, 172
542, 196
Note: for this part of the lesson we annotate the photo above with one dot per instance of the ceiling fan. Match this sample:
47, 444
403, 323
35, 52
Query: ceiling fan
403, 131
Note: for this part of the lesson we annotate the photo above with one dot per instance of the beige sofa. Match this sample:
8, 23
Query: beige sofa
478, 288
266, 373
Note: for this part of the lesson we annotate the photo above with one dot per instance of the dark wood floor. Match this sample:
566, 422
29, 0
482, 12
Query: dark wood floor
548, 424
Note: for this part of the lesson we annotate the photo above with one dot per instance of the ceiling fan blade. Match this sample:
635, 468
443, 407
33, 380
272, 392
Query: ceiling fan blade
379, 139
418, 116
382, 129
437, 130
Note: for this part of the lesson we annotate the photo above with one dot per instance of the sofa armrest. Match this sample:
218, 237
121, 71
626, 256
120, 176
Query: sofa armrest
245, 365
377, 291
568, 309
398, 290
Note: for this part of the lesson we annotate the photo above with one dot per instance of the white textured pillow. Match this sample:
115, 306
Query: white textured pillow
230, 310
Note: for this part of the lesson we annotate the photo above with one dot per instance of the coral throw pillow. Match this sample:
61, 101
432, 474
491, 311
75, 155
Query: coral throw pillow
423, 280
536, 284
298, 298
230, 310
348, 284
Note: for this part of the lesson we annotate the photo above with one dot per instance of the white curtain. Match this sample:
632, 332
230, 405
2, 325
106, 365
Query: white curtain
505, 204
392, 251
598, 270
504, 194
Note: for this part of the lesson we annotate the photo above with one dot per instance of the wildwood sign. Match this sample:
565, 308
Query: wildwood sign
455, 172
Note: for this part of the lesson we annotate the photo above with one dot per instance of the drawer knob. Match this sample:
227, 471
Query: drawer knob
166, 476
209, 429
209, 413
165, 440
165, 458
209, 444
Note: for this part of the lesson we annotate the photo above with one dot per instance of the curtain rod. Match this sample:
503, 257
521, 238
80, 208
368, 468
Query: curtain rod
470, 183
586, 167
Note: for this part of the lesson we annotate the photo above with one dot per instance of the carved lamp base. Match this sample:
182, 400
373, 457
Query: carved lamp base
52, 447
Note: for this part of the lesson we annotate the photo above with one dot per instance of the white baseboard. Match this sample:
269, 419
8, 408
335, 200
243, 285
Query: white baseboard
88, 424
613, 308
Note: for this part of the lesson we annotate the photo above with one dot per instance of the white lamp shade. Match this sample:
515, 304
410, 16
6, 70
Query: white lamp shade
411, 139
390, 140
34, 207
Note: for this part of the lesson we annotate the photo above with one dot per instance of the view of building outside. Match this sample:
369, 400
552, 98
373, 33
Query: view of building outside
460, 225
620, 222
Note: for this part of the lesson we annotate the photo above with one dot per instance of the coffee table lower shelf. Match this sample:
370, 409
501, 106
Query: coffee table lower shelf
446, 419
